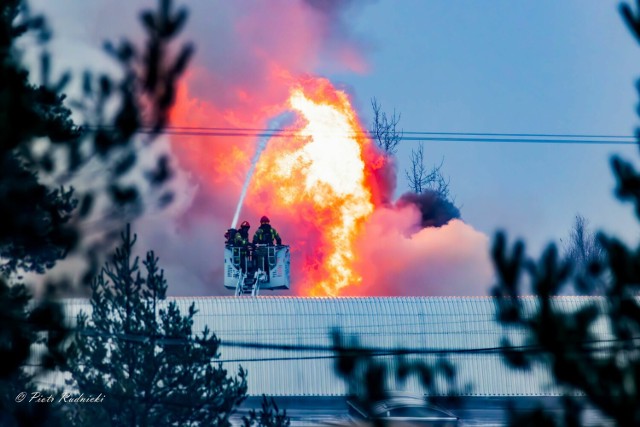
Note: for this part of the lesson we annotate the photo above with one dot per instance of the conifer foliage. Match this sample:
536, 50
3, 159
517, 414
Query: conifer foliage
605, 371
43, 219
141, 353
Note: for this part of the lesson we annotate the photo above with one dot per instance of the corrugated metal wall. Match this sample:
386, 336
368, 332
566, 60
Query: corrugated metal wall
381, 322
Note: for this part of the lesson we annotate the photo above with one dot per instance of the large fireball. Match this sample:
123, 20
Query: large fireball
324, 185
317, 177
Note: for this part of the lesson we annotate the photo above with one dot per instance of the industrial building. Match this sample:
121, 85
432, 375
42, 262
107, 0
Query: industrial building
296, 365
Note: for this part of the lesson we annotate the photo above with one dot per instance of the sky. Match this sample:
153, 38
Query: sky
542, 67
511, 67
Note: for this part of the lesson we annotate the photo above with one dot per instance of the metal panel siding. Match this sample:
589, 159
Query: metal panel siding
425, 322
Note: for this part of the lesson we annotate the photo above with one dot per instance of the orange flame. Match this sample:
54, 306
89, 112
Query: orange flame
321, 175
319, 187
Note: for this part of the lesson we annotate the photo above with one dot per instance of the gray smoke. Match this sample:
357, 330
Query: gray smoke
435, 210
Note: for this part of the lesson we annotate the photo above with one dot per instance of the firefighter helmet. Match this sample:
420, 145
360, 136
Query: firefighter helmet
245, 224
264, 220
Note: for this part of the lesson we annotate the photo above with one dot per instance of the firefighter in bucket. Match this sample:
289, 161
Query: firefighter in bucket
265, 236
241, 240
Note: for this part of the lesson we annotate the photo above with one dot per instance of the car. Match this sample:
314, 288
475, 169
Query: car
400, 409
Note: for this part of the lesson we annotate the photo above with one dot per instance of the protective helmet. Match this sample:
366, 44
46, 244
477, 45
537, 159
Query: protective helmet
245, 224
264, 220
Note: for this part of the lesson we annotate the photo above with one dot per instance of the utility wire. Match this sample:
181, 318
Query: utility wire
481, 137
432, 138
259, 130
588, 345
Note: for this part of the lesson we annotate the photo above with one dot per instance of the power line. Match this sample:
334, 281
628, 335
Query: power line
339, 351
266, 130
587, 346
521, 140
551, 135
462, 137
432, 139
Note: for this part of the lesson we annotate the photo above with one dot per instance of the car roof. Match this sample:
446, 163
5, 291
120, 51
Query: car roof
402, 400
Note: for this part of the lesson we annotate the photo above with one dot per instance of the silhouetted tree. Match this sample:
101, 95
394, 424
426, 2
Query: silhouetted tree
268, 416
365, 370
583, 248
38, 228
33, 235
385, 129
606, 372
141, 352
591, 372
387, 136
421, 179
22, 326
42, 218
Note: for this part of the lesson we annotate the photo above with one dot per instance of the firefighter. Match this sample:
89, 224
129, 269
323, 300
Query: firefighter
241, 240
265, 235
230, 236
242, 236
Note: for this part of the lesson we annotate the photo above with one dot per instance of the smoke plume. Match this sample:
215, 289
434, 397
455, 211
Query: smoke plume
398, 256
435, 210
249, 57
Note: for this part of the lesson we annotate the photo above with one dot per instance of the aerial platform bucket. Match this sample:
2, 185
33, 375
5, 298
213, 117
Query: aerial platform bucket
277, 256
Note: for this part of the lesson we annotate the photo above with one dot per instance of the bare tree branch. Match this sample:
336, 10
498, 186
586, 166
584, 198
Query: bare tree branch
582, 249
420, 179
385, 129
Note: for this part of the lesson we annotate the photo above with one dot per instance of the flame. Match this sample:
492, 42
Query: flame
320, 174
320, 186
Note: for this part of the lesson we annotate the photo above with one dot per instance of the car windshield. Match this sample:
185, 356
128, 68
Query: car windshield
413, 412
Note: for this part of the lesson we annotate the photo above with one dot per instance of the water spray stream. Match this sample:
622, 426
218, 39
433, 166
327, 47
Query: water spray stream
278, 122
